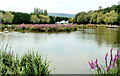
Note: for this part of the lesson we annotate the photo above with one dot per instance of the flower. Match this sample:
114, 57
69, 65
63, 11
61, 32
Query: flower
106, 58
111, 53
96, 62
118, 54
93, 65
107, 69
114, 60
111, 56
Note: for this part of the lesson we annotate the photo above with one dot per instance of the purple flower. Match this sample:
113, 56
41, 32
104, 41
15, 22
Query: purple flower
93, 65
96, 62
107, 69
114, 60
111, 55
118, 54
106, 58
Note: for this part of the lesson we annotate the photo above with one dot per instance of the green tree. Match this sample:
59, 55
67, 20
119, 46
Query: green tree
8, 17
45, 12
47, 19
71, 20
52, 19
81, 18
1, 17
20, 18
100, 17
93, 18
100, 8
44, 19
38, 11
87, 16
34, 19
111, 17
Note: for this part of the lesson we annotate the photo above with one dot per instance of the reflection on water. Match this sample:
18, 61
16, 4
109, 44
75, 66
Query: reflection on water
69, 52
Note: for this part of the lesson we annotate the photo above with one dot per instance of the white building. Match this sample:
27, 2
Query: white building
62, 22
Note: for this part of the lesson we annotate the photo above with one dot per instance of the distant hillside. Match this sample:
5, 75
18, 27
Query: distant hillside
61, 14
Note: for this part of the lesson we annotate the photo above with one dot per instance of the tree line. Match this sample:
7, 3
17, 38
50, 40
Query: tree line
39, 16
110, 15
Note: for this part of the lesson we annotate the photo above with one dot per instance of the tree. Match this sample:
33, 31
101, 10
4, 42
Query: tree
34, 19
81, 18
93, 18
20, 18
52, 19
100, 17
38, 11
8, 17
110, 17
44, 19
45, 12
87, 16
1, 17
100, 8
71, 20
47, 19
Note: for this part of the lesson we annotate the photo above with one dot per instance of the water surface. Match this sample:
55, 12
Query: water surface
69, 53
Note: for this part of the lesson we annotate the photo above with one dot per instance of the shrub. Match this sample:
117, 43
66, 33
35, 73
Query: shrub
30, 63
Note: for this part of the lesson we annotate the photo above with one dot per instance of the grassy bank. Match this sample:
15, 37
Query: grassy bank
97, 26
40, 28
29, 63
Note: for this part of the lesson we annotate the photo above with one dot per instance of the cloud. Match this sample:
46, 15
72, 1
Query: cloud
65, 6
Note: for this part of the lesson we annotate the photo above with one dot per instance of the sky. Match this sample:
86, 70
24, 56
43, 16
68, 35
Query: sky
55, 6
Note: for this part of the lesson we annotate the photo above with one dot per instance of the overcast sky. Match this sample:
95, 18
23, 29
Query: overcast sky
56, 6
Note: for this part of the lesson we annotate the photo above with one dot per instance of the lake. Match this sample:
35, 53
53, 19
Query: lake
69, 53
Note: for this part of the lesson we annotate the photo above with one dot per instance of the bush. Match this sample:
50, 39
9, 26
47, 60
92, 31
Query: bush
30, 63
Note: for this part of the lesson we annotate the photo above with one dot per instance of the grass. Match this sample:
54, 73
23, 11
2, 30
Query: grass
29, 63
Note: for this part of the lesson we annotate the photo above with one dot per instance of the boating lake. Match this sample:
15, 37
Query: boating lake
69, 53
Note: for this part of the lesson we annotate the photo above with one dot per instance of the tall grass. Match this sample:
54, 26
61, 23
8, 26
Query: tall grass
29, 63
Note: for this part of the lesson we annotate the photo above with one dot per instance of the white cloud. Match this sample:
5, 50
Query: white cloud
65, 6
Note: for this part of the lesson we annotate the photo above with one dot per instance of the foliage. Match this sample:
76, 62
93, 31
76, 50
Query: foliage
52, 19
7, 17
20, 18
108, 15
61, 18
81, 18
71, 20
30, 63
113, 67
45, 12
1, 17
111, 17
44, 19
34, 19
38, 11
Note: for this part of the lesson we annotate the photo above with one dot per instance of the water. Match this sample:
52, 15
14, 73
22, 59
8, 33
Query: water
69, 53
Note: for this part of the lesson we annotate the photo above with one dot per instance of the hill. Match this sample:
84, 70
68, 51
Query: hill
61, 14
